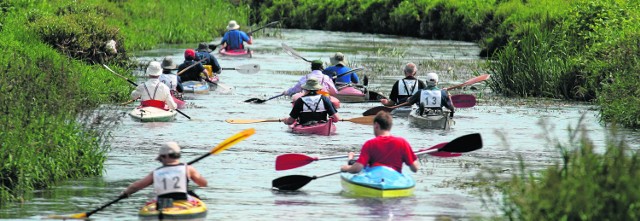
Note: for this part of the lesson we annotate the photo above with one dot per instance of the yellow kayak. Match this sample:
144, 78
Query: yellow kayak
182, 209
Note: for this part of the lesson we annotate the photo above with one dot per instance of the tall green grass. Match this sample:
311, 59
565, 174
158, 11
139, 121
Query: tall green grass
586, 183
52, 84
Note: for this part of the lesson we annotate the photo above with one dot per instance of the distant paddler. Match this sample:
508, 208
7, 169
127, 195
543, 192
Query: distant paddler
338, 67
312, 107
406, 87
234, 39
190, 69
328, 88
430, 98
204, 52
153, 93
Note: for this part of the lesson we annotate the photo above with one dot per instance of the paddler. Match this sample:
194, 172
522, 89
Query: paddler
406, 87
153, 93
383, 150
170, 180
234, 39
193, 73
316, 72
339, 66
312, 107
431, 98
203, 52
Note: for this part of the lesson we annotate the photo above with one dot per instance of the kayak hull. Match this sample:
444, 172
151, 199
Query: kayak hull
152, 114
237, 53
196, 87
351, 94
181, 210
432, 120
402, 112
377, 182
324, 129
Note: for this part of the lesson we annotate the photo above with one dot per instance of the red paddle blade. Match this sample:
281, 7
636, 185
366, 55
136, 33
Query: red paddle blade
463, 100
439, 153
292, 160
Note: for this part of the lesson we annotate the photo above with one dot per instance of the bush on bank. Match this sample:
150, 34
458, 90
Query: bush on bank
586, 183
52, 83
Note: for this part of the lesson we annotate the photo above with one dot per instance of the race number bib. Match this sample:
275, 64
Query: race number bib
171, 179
431, 99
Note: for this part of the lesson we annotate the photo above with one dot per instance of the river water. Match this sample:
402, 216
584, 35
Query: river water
240, 177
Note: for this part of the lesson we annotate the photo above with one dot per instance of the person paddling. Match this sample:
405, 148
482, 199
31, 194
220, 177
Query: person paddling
169, 181
383, 150
169, 78
203, 52
195, 73
430, 98
339, 66
234, 39
406, 87
152, 92
312, 107
316, 72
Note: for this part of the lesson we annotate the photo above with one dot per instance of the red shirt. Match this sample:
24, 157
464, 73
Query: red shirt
388, 151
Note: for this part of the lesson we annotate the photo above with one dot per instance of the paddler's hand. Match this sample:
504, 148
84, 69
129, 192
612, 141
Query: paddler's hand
385, 102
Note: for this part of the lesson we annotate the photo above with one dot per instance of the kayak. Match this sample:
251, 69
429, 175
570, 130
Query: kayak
181, 210
180, 103
432, 120
196, 87
152, 114
351, 94
237, 52
325, 128
378, 181
402, 111
334, 100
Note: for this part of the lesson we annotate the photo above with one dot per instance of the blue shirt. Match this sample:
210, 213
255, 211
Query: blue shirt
234, 39
339, 69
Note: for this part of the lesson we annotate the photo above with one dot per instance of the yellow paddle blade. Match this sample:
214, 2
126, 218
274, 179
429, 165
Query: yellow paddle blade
250, 121
367, 120
233, 140
72, 216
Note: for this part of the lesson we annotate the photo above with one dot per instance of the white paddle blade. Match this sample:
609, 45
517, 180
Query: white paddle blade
248, 68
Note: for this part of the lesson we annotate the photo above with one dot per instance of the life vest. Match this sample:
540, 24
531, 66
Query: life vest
407, 87
170, 179
313, 104
431, 98
152, 102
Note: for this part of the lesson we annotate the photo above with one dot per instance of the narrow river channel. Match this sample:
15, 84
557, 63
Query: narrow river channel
240, 177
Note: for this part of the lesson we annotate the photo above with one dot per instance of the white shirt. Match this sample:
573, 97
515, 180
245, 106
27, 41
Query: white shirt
170, 179
162, 92
171, 80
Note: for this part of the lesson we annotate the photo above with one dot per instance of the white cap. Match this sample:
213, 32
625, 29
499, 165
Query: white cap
432, 77
154, 69
169, 148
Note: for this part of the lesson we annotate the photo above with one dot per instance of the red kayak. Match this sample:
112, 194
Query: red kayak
325, 129
236, 52
180, 103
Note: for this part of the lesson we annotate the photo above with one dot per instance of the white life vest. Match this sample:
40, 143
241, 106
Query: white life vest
170, 179
171, 80
313, 104
431, 98
407, 87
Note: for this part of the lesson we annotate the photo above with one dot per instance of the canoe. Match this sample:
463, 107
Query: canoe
378, 181
334, 100
181, 210
237, 52
402, 112
432, 120
351, 94
196, 87
325, 129
152, 114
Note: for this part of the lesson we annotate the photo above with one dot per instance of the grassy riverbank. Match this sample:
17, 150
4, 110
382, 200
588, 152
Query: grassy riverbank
52, 80
585, 183
581, 50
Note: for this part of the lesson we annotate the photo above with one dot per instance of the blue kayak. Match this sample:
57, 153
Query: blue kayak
378, 181
196, 87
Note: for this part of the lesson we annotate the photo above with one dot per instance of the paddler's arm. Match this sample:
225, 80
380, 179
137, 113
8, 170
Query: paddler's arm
352, 167
196, 177
138, 185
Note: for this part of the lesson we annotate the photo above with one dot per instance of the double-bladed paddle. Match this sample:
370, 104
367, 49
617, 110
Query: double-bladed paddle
367, 120
349, 72
260, 101
463, 144
293, 53
216, 150
471, 81
134, 84
246, 68
458, 100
